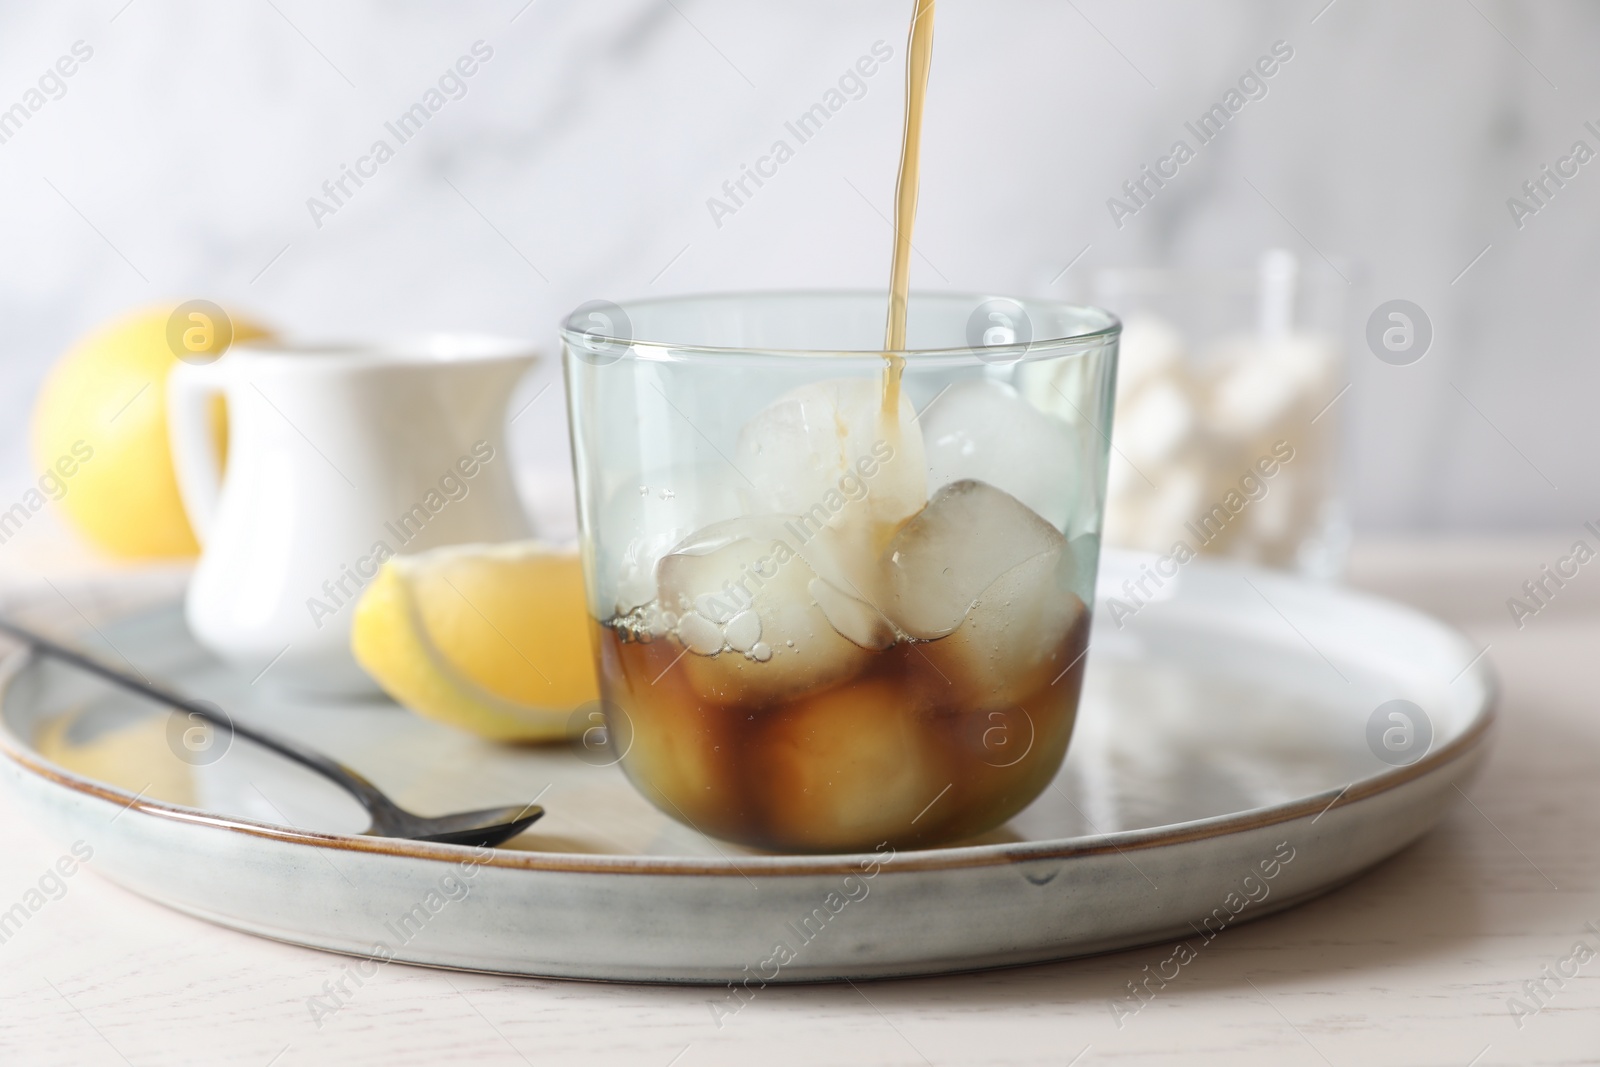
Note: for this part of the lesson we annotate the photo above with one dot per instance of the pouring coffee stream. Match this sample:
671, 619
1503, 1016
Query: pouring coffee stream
919, 60
486, 827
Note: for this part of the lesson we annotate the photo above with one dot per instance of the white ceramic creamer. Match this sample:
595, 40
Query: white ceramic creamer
337, 458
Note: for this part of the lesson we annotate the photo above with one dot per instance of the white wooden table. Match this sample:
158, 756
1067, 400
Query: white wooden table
1414, 963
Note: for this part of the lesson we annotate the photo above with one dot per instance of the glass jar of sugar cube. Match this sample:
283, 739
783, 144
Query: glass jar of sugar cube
1226, 413
840, 598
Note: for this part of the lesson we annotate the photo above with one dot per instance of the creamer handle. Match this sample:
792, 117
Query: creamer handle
191, 388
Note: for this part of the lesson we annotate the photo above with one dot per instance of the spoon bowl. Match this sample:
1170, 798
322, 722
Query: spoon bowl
487, 827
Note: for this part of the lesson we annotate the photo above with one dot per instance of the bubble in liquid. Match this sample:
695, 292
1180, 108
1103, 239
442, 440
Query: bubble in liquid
700, 634
743, 631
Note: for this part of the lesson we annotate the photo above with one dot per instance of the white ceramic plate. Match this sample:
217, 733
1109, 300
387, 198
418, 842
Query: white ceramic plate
1220, 771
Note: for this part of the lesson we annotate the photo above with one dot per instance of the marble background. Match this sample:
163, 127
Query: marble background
179, 162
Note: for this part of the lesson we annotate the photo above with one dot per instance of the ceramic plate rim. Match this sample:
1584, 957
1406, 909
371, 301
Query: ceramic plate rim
1468, 740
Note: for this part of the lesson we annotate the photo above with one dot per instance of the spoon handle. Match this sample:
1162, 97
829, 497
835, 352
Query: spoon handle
378, 805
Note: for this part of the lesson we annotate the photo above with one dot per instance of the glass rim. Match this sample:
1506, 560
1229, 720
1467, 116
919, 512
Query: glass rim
1107, 328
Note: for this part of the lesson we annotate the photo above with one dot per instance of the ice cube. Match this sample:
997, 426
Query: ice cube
1023, 631
641, 522
825, 452
846, 770
672, 758
741, 596
943, 559
984, 430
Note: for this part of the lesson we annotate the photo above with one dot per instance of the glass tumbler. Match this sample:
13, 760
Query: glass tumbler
840, 597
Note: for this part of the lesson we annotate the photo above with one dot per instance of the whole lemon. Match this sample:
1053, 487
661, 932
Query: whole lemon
100, 428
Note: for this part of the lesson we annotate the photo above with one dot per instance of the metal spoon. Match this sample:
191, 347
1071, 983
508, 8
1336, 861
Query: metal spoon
487, 827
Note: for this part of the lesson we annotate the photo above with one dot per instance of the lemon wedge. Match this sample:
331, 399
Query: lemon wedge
493, 639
